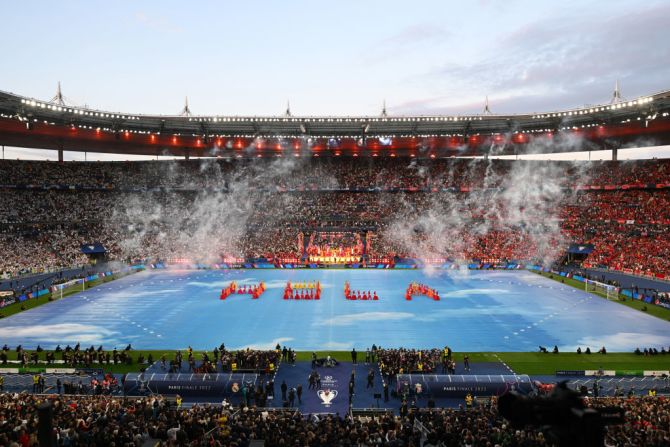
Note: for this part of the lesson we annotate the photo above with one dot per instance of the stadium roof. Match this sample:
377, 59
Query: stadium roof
32, 123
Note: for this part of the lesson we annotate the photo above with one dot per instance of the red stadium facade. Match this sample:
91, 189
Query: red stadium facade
25, 122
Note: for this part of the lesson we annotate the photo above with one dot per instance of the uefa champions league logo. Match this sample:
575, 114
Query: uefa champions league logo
327, 396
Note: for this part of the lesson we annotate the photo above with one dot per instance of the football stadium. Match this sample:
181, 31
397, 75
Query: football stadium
440, 272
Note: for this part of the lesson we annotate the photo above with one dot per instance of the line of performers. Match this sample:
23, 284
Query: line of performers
225, 293
254, 290
354, 295
421, 289
302, 291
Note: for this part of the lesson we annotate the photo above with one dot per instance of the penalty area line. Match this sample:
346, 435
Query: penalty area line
504, 364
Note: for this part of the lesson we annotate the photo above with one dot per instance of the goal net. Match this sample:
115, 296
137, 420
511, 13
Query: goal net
600, 288
66, 285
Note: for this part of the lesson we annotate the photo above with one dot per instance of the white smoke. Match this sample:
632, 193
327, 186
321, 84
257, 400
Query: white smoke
210, 216
509, 204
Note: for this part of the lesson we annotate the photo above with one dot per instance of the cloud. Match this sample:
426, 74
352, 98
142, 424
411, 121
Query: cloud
465, 293
336, 346
157, 23
405, 40
419, 33
351, 319
621, 341
477, 313
134, 294
557, 62
265, 345
63, 333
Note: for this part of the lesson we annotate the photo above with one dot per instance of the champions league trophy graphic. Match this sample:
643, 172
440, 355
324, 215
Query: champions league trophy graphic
327, 396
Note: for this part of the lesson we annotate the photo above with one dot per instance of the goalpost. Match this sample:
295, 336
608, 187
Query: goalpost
71, 283
607, 290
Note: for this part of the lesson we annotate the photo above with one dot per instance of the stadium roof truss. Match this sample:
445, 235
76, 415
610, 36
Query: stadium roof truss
27, 122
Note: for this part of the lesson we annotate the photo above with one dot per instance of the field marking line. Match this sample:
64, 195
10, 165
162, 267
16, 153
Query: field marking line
504, 364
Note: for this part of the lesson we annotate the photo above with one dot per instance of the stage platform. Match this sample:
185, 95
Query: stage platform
332, 396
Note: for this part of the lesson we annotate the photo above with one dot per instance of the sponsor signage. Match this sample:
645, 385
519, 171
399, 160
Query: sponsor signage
600, 372
91, 371
7, 301
217, 384
629, 373
458, 386
60, 370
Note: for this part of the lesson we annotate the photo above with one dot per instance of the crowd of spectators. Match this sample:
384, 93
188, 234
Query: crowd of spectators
324, 173
404, 361
647, 421
252, 359
272, 209
104, 420
34, 251
243, 359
